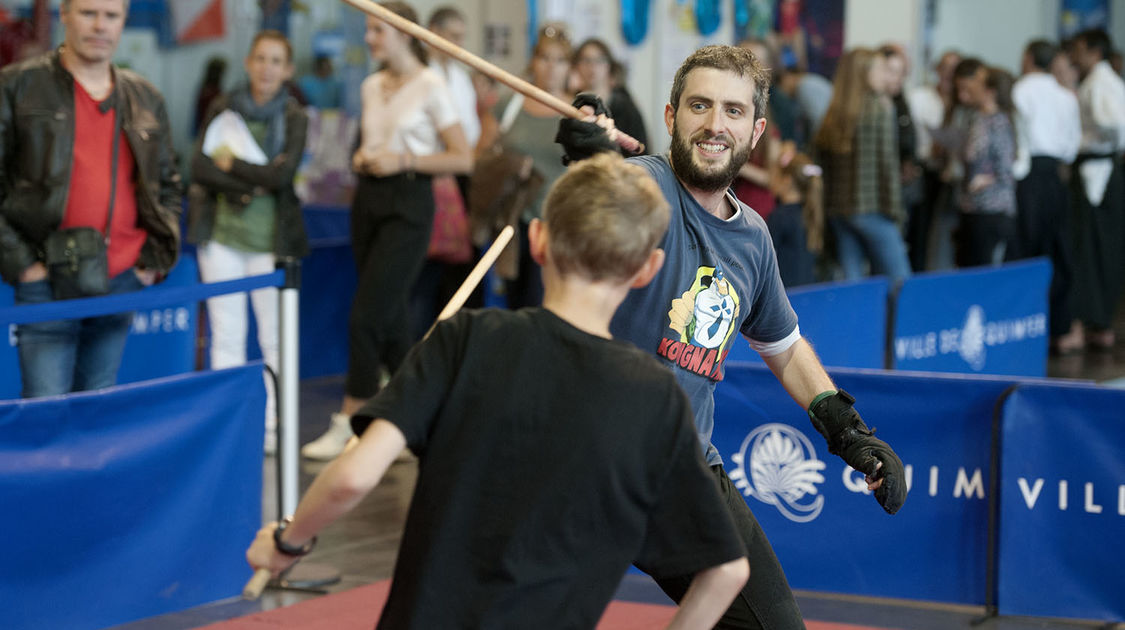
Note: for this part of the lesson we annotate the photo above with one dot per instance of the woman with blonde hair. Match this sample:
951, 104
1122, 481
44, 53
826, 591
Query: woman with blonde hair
409, 131
857, 146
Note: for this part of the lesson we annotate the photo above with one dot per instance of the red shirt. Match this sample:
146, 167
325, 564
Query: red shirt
87, 202
759, 198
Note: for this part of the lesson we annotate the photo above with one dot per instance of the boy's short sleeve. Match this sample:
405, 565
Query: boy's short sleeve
689, 528
415, 395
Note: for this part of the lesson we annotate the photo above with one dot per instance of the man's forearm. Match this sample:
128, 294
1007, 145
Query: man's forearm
710, 594
800, 373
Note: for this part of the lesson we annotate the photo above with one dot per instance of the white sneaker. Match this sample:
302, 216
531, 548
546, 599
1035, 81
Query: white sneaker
332, 443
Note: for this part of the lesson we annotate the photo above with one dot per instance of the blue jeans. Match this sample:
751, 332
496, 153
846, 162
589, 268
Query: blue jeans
71, 355
871, 237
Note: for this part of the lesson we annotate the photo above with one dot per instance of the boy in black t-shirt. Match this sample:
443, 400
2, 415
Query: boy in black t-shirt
550, 455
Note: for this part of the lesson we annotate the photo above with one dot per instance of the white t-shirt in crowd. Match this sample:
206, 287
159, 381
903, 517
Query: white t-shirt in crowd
928, 111
464, 97
408, 120
1050, 113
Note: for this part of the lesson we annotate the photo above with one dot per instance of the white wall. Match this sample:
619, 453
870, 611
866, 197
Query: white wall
872, 23
994, 30
1117, 23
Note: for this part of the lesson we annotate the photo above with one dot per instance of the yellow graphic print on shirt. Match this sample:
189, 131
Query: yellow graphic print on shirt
704, 318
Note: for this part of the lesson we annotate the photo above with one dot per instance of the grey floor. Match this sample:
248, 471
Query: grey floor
362, 546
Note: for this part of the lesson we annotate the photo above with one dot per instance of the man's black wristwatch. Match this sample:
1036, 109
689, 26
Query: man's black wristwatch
285, 547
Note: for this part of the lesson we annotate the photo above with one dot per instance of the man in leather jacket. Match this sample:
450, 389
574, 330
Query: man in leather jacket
60, 114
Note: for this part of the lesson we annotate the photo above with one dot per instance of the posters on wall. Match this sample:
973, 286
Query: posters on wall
179, 22
1078, 15
820, 24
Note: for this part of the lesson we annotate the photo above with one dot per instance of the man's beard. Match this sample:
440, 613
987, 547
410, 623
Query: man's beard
693, 176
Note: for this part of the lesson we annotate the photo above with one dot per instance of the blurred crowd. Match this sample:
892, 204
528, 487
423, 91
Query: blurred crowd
856, 174
976, 168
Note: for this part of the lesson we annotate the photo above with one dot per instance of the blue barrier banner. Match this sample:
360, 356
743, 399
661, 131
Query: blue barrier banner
327, 286
130, 502
1062, 515
163, 334
982, 321
826, 529
162, 339
845, 322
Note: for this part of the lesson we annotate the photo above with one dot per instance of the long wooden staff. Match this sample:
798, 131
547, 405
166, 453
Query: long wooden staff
254, 587
475, 62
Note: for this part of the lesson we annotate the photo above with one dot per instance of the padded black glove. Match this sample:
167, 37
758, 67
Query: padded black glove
581, 139
837, 420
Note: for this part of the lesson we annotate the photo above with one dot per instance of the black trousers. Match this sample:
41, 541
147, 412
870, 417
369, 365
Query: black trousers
980, 237
766, 602
1042, 228
391, 222
1099, 238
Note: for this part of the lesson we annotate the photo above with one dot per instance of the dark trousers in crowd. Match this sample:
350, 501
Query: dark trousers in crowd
766, 602
796, 264
919, 217
1042, 228
981, 238
1099, 241
391, 222
527, 288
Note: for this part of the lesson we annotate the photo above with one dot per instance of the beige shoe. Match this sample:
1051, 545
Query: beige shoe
332, 443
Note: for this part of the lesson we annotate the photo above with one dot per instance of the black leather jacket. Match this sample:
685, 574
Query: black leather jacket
36, 150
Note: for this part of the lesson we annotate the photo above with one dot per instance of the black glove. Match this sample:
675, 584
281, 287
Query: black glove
581, 139
837, 420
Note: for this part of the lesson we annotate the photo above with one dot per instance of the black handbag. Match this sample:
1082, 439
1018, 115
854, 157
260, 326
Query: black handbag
76, 258
77, 265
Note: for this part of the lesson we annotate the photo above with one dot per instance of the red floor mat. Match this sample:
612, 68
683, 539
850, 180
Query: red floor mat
356, 609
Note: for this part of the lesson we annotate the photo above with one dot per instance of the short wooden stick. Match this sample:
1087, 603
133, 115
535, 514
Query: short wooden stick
253, 589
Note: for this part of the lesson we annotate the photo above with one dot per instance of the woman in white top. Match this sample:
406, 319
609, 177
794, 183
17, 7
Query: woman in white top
409, 131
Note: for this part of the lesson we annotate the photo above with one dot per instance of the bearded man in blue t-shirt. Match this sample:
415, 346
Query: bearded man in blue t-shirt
720, 276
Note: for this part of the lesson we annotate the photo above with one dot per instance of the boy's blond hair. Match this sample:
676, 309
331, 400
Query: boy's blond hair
604, 218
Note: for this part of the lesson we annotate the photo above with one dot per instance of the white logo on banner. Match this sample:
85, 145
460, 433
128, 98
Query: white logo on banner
777, 465
166, 320
972, 340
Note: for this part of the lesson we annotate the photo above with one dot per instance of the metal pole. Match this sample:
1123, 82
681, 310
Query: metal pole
303, 575
288, 385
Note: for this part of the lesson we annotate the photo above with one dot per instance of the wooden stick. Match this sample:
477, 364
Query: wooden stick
253, 589
460, 54
475, 276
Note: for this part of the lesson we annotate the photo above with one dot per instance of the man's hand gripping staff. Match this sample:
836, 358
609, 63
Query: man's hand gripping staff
836, 419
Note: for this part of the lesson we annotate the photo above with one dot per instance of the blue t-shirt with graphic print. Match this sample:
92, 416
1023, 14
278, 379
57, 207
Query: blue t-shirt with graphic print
719, 278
